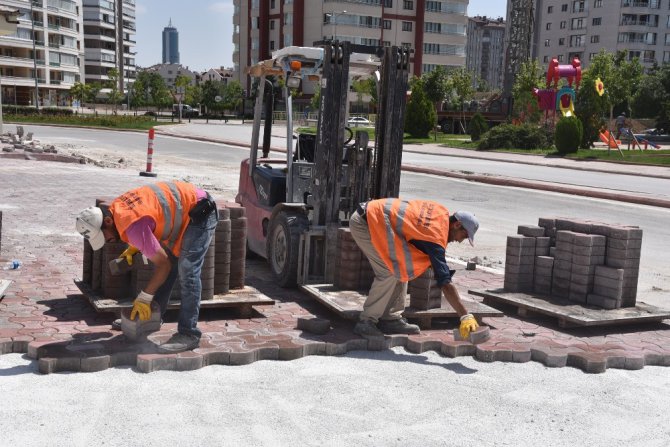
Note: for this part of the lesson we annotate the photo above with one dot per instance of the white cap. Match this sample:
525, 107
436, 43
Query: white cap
469, 222
89, 225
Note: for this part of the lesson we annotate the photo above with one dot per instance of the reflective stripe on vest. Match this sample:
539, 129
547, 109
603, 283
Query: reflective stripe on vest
171, 229
407, 255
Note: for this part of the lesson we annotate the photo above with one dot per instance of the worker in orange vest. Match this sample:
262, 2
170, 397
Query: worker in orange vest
402, 239
172, 224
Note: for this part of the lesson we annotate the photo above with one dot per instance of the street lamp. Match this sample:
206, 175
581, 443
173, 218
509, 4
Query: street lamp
333, 15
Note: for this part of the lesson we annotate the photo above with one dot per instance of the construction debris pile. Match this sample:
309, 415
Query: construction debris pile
25, 142
583, 261
223, 268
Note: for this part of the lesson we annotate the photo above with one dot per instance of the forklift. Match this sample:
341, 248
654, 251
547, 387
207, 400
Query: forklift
296, 205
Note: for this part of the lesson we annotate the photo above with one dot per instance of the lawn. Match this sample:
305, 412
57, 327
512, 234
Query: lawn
127, 122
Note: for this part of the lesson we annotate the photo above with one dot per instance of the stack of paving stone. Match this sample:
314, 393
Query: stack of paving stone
584, 261
222, 252
223, 267
424, 293
238, 244
352, 268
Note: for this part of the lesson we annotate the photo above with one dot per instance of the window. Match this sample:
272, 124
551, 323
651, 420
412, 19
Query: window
387, 24
408, 4
407, 26
547, 42
272, 44
545, 59
406, 45
288, 18
596, 21
272, 4
577, 23
561, 41
563, 24
592, 56
386, 43
598, 4
595, 39
667, 39
550, 9
560, 58
548, 26
666, 56
564, 7
578, 6
577, 41
272, 24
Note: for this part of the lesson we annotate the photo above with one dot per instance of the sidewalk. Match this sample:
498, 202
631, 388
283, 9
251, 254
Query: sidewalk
44, 315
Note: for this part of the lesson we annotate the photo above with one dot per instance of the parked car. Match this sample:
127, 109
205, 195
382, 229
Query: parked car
186, 111
359, 121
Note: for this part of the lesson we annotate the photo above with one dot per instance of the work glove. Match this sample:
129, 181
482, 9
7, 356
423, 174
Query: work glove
142, 306
128, 253
468, 324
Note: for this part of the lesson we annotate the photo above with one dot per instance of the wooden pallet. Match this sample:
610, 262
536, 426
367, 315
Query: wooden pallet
240, 299
571, 314
348, 304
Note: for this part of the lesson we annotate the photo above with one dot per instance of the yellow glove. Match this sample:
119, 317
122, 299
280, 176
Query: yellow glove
128, 253
468, 324
142, 307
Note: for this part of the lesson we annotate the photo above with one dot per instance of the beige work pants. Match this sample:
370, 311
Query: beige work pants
386, 300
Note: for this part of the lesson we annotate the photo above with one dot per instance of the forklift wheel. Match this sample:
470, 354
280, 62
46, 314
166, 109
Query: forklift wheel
283, 244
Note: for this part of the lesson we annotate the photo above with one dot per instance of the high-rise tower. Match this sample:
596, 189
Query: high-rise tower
170, 44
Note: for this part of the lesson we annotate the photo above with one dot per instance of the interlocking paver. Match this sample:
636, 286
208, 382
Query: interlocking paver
44, 315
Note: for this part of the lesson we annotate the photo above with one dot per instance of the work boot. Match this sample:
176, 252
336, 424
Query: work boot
116, 324
179, 343
367, 328
398, 326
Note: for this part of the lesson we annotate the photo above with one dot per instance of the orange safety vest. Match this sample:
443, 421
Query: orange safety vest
168, 204
394, 222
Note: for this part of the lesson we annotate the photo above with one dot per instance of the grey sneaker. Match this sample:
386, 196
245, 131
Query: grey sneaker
399, 326
367, 328
179, 343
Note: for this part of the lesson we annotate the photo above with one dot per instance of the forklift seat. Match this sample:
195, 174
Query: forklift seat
306, 147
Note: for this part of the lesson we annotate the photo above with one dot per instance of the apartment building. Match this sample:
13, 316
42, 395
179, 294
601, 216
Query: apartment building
434, 30
109, 40
46, 66
569, 28
170, 72
485, 50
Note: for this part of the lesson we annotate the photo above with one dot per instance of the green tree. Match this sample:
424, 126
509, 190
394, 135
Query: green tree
362, 88
92, 93
437, 86
461, 83
316, 98
112, 84
652, 93
79, 92
233, 95
620, 77
525, 103
420, 116
210, 90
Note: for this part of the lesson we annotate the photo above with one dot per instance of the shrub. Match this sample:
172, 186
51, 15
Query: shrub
568, 135
420, 116
478, 126
508, 136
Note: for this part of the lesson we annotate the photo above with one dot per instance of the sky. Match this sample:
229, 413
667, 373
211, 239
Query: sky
206, 29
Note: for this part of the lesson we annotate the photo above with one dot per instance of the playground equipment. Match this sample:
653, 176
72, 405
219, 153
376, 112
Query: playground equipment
636, 141
607, 138
551, 98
